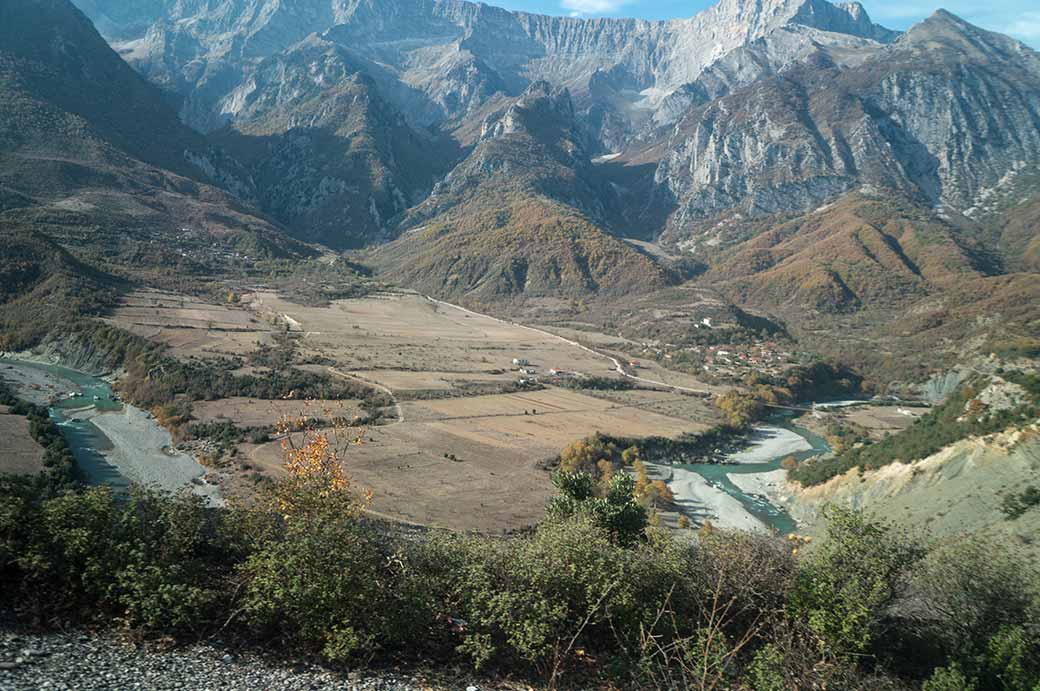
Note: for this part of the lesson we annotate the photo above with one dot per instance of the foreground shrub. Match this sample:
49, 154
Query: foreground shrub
845, 588
302, 568
534, 601
973, 612
326, 585
617, 511
156, 561
728, 601
317, 579
964, 593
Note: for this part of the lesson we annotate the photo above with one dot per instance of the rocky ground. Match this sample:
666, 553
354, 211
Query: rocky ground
81, 662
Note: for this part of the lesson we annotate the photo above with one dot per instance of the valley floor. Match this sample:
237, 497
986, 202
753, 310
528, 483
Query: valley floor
461, 448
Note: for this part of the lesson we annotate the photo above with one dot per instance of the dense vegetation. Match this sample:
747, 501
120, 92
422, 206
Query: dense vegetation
597, 383
155, 379
42, 285
819, 381
960, 416
590, 597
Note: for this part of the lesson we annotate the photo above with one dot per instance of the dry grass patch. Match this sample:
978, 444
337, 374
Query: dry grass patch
254, 412
21, 454
880, 420
191, 327
393, 334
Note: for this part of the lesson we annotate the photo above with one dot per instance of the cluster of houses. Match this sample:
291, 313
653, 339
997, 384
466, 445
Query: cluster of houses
529, 374
730, 360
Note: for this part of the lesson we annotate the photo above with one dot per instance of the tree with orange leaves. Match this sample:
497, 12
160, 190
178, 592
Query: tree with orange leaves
316, 480
318, 577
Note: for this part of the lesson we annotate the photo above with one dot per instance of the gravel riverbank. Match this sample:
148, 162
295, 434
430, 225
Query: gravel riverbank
35, 385
699, 500
767, 443
143, 452
771, 485
94, 663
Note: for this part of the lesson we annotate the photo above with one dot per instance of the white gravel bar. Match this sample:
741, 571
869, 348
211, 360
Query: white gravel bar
768, 443
143, 453
699, 500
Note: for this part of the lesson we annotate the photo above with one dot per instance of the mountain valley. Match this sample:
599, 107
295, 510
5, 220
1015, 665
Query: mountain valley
735, 269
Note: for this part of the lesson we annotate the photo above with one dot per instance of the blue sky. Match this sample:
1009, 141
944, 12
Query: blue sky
1019, 18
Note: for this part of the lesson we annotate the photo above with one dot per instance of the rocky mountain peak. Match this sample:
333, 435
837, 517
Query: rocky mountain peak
543, 112
546, 101
748, 20
943, 29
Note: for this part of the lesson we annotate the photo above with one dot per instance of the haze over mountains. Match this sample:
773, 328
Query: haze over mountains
815, 165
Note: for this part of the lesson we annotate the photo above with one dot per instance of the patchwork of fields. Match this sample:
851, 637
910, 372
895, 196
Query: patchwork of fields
463, 450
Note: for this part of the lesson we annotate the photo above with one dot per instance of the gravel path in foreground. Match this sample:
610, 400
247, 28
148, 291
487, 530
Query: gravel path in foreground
80, 662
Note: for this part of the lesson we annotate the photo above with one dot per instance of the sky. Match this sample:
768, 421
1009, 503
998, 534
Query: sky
1018, 18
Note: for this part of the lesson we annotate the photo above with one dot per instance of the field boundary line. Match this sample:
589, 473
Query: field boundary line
618, 367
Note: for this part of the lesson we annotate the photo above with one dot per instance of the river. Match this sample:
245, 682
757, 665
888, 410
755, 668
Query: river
114, 444
774, 517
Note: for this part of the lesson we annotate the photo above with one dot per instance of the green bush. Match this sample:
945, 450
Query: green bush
949, 678
156, 561
962, 594
846, 587
618, 511
301, 567
1015, 505
535, 600
325, 584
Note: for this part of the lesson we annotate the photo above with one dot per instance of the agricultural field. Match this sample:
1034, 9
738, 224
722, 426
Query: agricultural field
470, 463
457, 452
881, 420
21, 454
254, 412
393, 337
413, 477
546, 420
411, 381
190, 327
668, 403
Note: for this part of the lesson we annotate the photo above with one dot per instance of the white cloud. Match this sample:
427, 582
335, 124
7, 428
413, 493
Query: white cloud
1027, 26
580, 8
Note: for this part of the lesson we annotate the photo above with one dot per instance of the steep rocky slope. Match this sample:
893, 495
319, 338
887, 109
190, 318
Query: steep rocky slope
328, 155
871, 193
517, 217
960, 490
89, 149
944, 114
881, 270
453, 54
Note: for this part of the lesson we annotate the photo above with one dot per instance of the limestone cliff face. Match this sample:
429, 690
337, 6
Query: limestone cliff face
945, 114
743, 111
328, 154
532, 148
451, 52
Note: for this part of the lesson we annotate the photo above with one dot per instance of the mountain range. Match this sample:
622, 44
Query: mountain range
792, 157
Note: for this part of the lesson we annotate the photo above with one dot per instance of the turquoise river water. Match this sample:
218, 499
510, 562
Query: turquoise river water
773, 516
